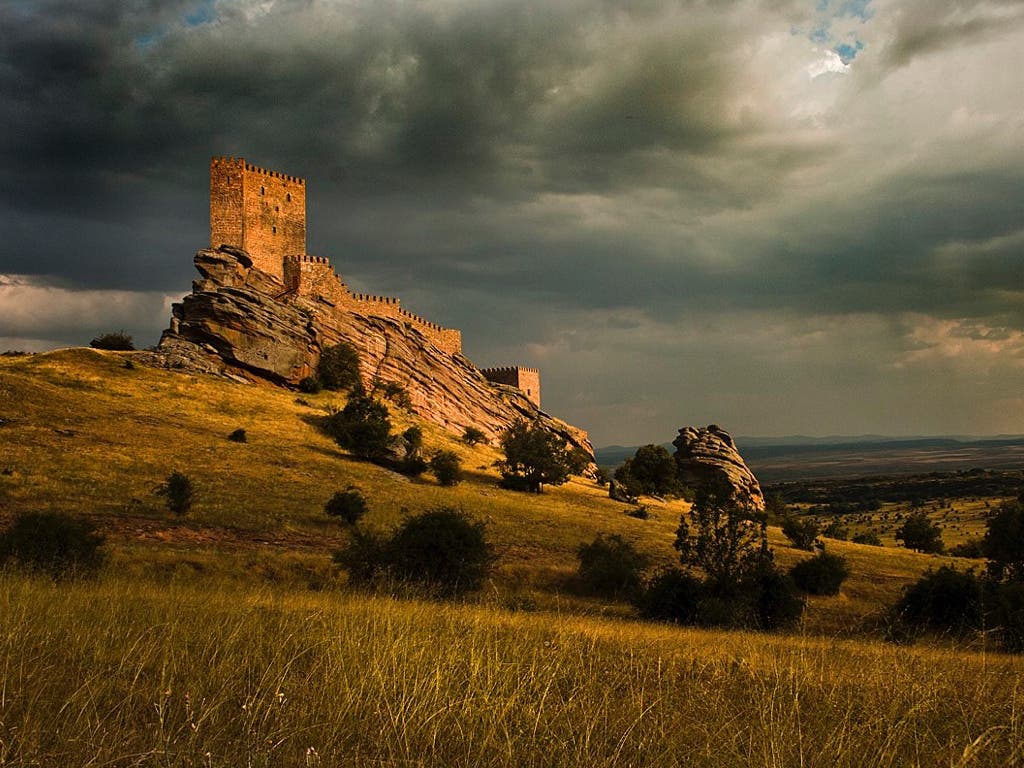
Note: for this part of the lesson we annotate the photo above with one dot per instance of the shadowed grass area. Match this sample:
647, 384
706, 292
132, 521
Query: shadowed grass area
118, 673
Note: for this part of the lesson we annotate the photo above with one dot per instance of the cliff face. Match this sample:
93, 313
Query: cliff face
707, 457
239, 320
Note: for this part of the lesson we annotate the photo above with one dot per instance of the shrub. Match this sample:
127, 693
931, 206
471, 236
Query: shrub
773, 598
338, 368
310, 385
364, 557
640, 512
920, 534
362, 427
398, 394
610, 566
801, 531
1004, 542
178, 492
472, 436
446, 467
413, 438
238, 436
944, 600
971, 548
441, 549
118, 341
1007, 615
672, 595
52, 543
836, 530
348, 505
867, 537
822, 574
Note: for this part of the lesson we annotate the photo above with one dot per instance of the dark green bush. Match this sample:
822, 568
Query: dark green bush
971, 548
238, 436
310, 385
447, 467
362, 427
836, 530
920, 534
338, 368
822, 574
610, 566
54, 544
773, 598
672, 595
1006, 617
179, 493
801, 531
945, 600
472, 436
364, 557
867, 537
118, 341
442, 549
650, 471
639, 512
349, 505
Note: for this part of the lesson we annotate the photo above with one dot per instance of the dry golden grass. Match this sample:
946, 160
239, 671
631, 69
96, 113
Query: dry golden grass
119, 673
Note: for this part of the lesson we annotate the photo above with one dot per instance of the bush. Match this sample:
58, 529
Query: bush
836, 530
472, 436
773, 598
447, 467
362, 427
920, 534
238, 436
672, 595
1007, 615
364, 557
441, 549
639, 512
610, 567
338, 368
822, 574
310, 385
119, 341
971, 548
348, 505
945, 600
1004, 543
413, 438
801, 531
867, 537
54, 544
178, 492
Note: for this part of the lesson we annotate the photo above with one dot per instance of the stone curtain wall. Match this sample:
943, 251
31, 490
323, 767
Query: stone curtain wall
262, 212
526, 379
313, 277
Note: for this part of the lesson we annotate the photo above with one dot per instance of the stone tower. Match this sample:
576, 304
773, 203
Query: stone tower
262, 212
526, 379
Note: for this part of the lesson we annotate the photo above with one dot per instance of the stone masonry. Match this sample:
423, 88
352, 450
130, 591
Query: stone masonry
526, 379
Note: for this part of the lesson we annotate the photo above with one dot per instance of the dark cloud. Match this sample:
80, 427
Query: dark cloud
659, 202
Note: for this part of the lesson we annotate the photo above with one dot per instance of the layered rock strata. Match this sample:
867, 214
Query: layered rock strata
707, 457
239, 320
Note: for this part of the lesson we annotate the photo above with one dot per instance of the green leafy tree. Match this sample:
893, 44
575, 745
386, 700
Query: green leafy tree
447, 467
362, 426
473, 436
801, 531
822, 574
535, 457
179, 493
1003, 544
338, 368
651, 471
920, 534
349, 505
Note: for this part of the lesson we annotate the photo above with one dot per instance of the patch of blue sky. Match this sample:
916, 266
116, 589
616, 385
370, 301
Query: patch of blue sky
848, 52
822, 31
147, 40
204, 13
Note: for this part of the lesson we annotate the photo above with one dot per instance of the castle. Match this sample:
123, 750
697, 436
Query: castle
263, 212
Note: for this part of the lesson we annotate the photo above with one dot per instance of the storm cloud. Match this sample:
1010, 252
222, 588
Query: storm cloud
780, 216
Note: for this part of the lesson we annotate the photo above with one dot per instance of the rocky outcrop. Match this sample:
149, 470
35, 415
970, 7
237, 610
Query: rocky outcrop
246, 322
707, 457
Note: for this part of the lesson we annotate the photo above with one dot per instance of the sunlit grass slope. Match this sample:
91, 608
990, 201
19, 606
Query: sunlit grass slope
85, 434
117, 673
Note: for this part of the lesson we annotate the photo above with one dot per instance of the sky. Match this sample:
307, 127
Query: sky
781, 216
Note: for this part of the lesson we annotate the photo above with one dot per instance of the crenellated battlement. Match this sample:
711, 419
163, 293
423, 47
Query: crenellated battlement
507, 370
526, 379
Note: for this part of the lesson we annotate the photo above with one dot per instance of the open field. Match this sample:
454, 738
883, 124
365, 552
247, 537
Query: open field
228, 639
119, 673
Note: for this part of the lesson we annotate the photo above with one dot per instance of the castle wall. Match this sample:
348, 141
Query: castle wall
526, 379
263, 212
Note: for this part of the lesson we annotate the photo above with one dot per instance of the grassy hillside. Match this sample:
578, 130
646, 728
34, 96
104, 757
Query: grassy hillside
203, 644
85, 434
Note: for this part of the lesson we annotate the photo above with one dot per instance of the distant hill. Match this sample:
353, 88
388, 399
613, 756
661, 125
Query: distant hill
775, 459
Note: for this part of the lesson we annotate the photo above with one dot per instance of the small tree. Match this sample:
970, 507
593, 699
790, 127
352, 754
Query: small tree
52, 543
118, 341
651, 471
473, 436
413, 437
362, 427
442, 549
672, 595
534, 457
920, 534
822, 574
945, 600
1003, 544
801, 531
338, 368
179, 493
611, 567
446, 467
349, 505
867, 537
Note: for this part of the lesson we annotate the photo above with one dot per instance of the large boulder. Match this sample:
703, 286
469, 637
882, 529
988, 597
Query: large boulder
707, 458
247, 323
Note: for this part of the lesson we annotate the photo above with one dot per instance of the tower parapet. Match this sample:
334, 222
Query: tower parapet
526, 379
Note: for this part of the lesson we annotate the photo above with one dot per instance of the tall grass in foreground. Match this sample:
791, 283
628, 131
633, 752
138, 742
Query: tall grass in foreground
113, 673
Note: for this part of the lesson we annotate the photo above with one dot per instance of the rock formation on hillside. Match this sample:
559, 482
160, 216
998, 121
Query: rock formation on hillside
241, 321
707, 456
